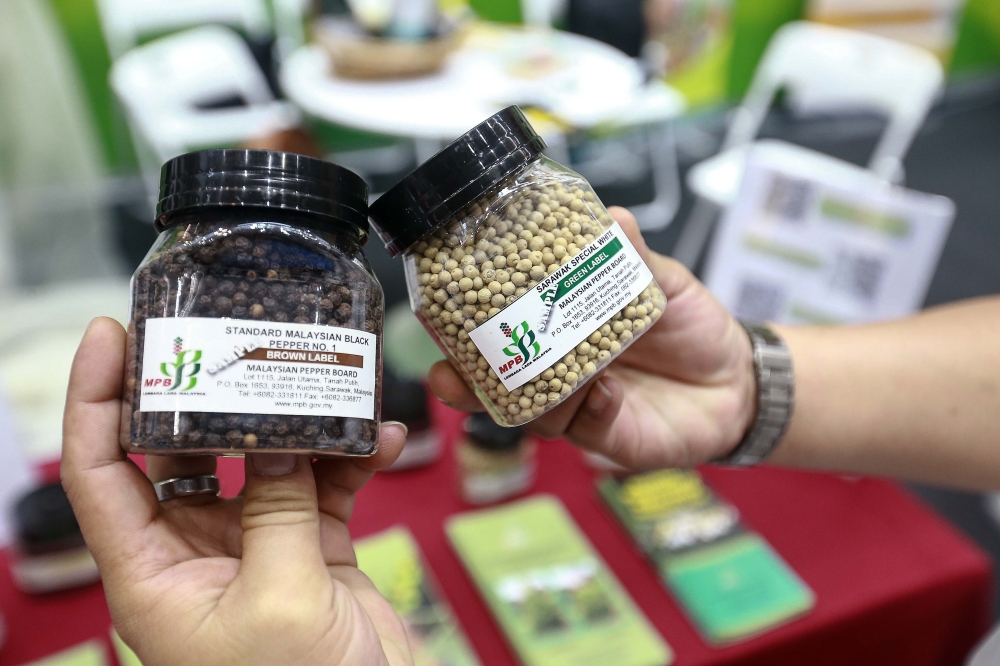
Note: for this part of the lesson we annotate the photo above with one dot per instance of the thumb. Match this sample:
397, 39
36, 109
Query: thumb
671, 276
626, 220
593, 422
280, 521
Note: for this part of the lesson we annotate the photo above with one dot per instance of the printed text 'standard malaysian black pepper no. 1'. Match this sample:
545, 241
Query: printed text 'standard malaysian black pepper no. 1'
256, 322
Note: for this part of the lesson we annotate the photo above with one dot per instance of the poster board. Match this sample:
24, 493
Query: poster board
802, 246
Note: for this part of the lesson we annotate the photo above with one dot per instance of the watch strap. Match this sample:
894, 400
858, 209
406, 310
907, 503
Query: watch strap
775, 398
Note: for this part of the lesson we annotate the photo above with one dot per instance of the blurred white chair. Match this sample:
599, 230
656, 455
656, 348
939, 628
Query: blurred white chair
7, 280
542, 13
172, 90
290, 25
126, 23
649, 119
39, 333
652, 115
821, 69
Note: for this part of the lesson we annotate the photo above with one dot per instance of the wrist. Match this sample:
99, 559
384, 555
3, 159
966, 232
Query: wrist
739, 419
748, 388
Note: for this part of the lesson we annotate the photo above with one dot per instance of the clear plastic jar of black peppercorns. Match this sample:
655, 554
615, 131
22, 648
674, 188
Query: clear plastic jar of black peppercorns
256, 322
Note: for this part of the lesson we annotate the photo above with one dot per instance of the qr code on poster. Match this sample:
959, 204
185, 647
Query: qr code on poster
789, 198
858, 274
759, 300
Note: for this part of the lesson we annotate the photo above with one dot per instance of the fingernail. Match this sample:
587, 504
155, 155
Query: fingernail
273, 464
406, 431
600, 397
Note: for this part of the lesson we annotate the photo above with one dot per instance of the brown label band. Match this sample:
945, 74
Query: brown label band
299, 356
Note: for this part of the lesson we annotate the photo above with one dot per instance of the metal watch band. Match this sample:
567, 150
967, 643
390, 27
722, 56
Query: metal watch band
775, 398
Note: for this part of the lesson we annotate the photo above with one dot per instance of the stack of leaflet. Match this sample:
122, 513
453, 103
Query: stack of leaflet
554, 597
393, 562
729, 581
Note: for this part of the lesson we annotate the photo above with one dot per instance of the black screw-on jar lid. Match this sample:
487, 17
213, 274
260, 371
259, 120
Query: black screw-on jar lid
262, 179
454, 178
482, 431
44, 521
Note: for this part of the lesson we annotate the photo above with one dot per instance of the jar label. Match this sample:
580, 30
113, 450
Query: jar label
199, 364
563, 309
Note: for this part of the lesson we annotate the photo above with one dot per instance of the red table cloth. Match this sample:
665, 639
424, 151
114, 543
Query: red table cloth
894, 583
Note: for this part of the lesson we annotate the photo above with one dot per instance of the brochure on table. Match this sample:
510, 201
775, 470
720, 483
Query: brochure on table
393, 562
126, 657
555, 599
817, 245
91, 653
730, 582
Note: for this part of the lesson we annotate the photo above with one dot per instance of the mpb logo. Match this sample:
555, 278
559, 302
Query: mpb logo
523, 347
181, 375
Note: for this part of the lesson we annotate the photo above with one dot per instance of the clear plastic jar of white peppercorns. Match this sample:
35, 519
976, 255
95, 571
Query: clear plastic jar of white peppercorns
255, 322
516, 268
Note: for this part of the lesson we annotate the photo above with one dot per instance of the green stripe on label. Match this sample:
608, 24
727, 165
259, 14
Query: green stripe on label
596, 261
782, 251
895, 226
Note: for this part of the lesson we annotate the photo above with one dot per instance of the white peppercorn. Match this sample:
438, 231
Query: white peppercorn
520, 235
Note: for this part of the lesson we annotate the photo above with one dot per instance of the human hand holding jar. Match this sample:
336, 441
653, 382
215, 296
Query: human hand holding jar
266, 578
516, 268
552, 312
682, 394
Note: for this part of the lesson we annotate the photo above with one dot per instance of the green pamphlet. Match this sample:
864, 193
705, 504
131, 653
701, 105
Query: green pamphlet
126, 657
91, 653
729, 580
392, 560
554, 597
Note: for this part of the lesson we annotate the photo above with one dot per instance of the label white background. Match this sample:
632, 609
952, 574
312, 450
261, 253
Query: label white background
246, 386
589, 304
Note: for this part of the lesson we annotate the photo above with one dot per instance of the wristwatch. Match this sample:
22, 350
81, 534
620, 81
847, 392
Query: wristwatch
772, 364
